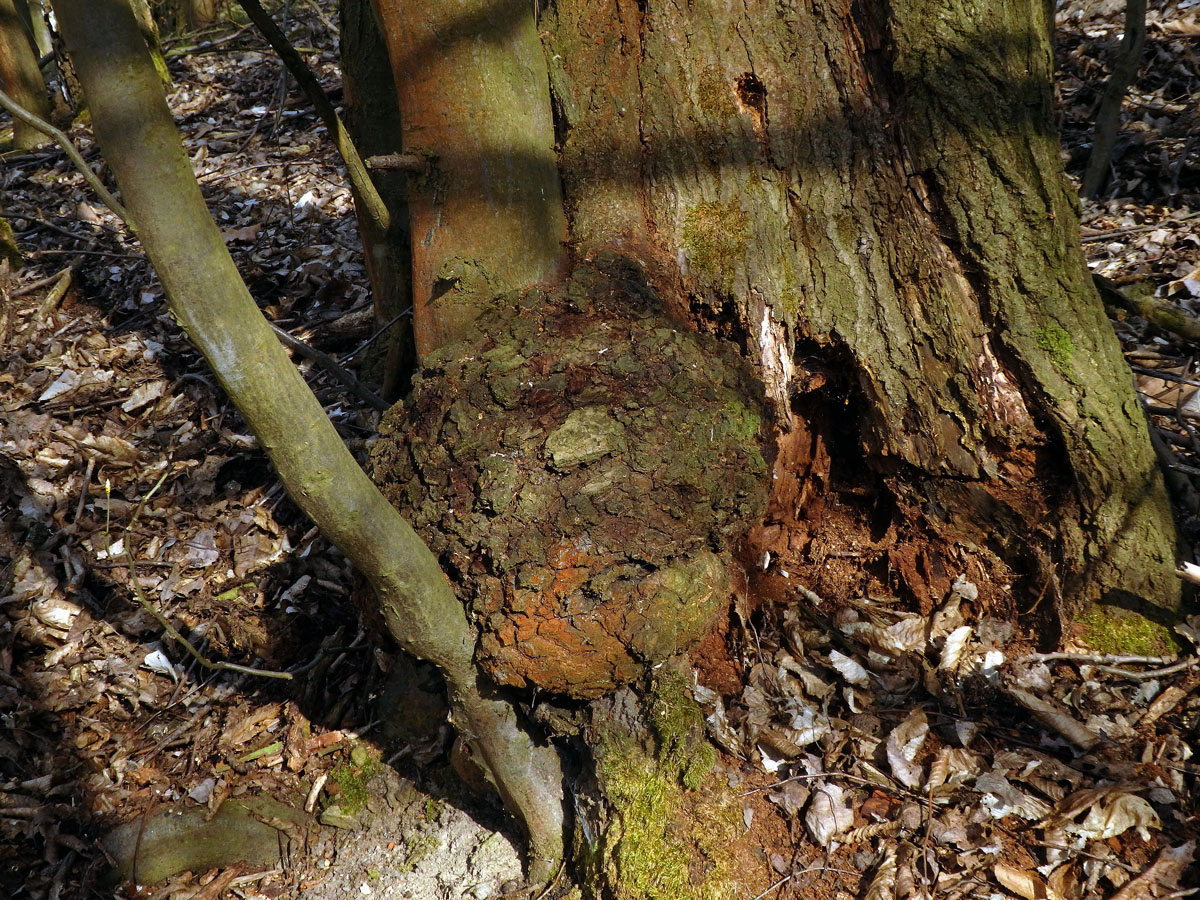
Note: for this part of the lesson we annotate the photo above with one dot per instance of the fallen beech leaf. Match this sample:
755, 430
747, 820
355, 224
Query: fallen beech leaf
850, 669
829, 814
247, 233
1162, 877
883, 882
1049, 714
903, 744
1021, 882
1116, 814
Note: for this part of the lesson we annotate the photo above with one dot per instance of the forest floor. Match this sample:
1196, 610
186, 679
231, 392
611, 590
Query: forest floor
127, 481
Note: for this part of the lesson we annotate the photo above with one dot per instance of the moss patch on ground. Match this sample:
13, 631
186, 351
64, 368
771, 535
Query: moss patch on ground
673, 820
1109, 629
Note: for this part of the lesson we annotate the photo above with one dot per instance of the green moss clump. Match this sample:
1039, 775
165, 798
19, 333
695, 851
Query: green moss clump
1108, 629
672, 824
1055, 340
353, 782
714, 94
714, 235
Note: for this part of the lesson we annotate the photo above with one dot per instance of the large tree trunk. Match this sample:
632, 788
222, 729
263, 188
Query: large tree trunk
870, 196
867, 199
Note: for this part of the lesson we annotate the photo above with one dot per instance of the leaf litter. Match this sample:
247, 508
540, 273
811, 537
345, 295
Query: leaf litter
898, 755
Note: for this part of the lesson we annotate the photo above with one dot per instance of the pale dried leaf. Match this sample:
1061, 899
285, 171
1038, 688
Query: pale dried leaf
883, 883
953, 765
145, 394
1001, 798
952, 650
1116, 813
829, 814
1021, 882
850, 669
903, 744
109, 447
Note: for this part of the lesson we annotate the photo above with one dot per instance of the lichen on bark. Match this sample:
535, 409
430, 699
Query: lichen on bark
580, 466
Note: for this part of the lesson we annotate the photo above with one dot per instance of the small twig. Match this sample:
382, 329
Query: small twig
1110, 659
35, 285
162, 620
1135, 229
413, 163
63, 141
1165, 376
380, 332
784, 880
331, 365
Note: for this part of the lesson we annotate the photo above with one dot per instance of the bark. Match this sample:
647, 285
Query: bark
471, 85
138, 139
867, 198
870, 196
371, 117
20, 77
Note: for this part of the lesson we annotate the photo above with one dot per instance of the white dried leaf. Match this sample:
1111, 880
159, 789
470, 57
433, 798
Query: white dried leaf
947, 618
1110, 812
965, 730
903, 744
953, 765
965, 589
908, 633
159, 663
790, 797
883, 883
829, 814
952, 650
1001, 798
808, 726
1021, 882
850, 669
110, 448
55, 612
145, 394
64, 383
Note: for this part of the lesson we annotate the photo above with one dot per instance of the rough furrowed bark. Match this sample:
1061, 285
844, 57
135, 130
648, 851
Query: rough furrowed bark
138, 138
878, 188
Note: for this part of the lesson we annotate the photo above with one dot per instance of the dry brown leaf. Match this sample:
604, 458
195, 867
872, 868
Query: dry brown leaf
882, 885
903, 744
1162, 877
1051, 715
1021, 882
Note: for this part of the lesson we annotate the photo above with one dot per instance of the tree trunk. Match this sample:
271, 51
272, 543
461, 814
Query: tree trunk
20, 77
870, 197
137, 136
867, 200
371, 118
